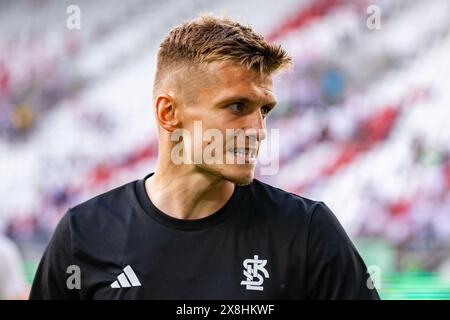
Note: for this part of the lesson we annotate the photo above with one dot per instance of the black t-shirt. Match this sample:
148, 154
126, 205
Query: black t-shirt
264, 243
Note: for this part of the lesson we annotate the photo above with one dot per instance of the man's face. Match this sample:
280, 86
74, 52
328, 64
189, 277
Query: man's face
229, 97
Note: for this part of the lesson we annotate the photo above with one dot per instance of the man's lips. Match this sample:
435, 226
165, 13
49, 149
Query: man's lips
249, 154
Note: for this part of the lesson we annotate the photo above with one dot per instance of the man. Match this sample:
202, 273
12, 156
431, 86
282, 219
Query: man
205, 229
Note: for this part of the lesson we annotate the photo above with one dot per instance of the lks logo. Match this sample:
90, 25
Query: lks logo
252, 269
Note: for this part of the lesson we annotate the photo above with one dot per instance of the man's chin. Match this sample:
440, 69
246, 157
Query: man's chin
241, 179
239, 176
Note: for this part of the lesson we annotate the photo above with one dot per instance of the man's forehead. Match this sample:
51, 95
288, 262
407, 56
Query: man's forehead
228, 73
224, 80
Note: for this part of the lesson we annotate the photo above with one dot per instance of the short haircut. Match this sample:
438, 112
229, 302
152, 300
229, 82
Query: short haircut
209, 38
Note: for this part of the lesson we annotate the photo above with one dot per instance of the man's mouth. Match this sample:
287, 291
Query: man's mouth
247, 155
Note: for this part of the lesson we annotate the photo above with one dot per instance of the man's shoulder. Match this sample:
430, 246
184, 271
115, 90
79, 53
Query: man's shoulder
272, 200
289, 210
113, 202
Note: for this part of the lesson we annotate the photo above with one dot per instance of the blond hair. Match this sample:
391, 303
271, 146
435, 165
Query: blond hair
209, 38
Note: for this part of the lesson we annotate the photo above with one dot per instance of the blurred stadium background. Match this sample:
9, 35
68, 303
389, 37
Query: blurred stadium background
363, 118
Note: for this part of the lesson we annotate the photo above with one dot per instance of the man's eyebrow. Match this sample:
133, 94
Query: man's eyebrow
244, 99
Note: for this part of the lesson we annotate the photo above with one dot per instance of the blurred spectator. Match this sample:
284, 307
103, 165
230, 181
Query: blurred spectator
22, 119
12, 276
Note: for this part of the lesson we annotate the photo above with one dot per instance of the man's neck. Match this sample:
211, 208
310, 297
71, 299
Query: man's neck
187, 194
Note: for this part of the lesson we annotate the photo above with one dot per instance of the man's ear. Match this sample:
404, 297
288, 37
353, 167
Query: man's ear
166, 112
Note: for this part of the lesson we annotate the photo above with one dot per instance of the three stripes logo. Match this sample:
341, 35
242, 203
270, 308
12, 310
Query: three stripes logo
126, 279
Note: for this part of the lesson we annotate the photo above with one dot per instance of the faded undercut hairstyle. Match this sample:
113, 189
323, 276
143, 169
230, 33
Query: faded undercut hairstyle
209, 38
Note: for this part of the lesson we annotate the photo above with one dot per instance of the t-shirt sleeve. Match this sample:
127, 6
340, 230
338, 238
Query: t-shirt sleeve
50, 281
334, 268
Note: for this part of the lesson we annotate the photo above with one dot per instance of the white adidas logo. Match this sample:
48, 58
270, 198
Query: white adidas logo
126, 279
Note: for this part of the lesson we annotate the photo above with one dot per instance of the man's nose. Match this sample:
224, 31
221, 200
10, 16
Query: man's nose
256, 126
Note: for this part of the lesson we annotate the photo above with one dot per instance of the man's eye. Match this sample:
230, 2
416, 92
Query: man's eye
236, 107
